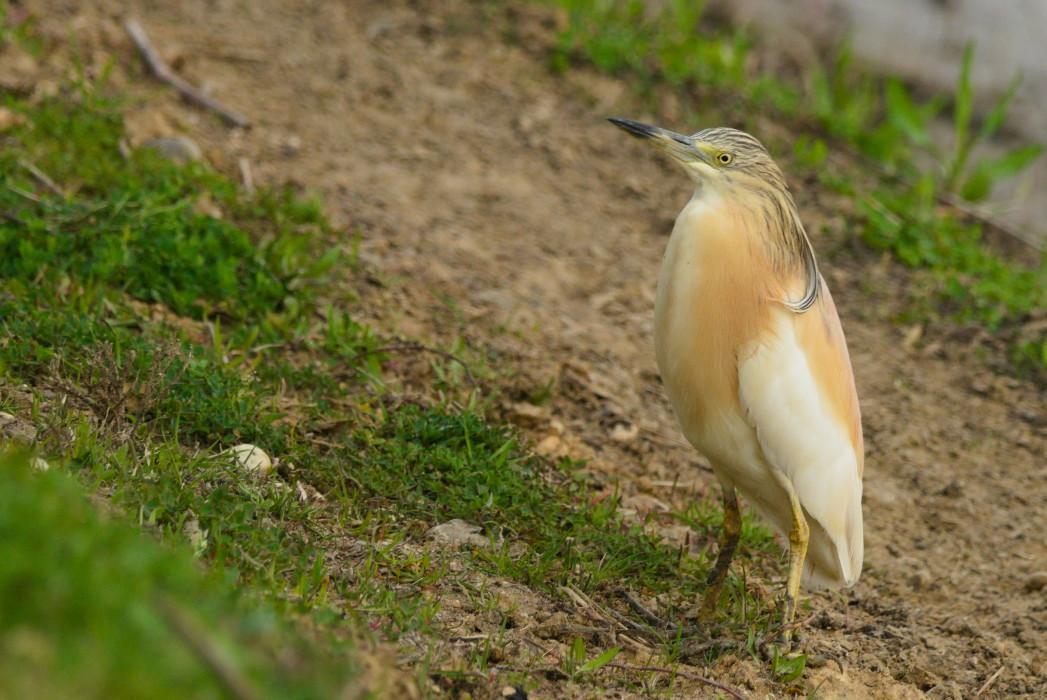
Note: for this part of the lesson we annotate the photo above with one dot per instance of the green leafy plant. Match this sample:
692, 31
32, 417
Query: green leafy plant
575, 664
787, 669
975, 180
664, 42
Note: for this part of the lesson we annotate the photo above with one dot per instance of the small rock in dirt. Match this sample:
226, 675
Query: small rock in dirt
644, 503
527, 415
39, 464
625, 433
512, 693
1036, 582
379, 28
980, 387
949, 690
16, 429
934, 349
19, 71
953, 489
177, 149
873, 663
308, 493
921, 678
963, 628
9, 118
829, 620
549, 447
458, 533
291, 145
251, 458
912, 336
1032, 417
919, 580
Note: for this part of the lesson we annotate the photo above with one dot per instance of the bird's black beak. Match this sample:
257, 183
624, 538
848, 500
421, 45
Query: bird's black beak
682, 148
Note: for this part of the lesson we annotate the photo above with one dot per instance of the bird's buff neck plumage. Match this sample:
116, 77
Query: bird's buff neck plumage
790, 254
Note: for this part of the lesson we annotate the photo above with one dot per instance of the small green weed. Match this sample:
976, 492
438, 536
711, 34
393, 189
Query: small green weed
974, 181
668, 43
575, 664
787, 669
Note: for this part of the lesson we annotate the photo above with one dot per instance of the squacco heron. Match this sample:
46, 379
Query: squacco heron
753, 357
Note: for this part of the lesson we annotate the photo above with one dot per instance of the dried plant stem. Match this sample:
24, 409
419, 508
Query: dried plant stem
163, 71
682, 674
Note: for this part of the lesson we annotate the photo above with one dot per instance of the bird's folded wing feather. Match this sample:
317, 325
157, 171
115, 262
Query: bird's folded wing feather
797, 390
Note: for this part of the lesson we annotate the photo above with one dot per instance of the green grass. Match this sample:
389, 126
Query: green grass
142, 337
93, 609
877, 119
133, 226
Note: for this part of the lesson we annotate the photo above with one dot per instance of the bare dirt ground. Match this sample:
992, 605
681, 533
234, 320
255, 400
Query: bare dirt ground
493, 202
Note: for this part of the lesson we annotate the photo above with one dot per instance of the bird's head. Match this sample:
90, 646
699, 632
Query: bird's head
720, 158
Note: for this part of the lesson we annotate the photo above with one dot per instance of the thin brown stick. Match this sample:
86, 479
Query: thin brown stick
992, 679
663, 627
791, 626
694, 650
646, 614
163, 71
42, 178
196, 639
409, 346
442, 673
682, 674
560, 631
633, 625
470, 638
536, 645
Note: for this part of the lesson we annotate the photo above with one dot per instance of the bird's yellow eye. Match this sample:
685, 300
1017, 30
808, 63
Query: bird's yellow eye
725, 158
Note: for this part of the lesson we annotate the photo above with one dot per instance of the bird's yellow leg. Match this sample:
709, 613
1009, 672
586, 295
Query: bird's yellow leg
729, 536
799, 536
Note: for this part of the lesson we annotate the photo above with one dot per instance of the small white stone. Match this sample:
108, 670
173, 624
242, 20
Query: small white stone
458, 533
252, 458
625, 433
177, 149
527, 415
549, 447
39, 464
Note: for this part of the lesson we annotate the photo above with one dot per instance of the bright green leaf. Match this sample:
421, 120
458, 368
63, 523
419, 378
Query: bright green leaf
600, 661
994, 120
903, 113
990, 171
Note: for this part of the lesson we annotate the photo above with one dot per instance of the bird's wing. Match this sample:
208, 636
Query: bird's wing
797, 390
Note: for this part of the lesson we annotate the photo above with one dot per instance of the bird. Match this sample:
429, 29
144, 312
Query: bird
753, 357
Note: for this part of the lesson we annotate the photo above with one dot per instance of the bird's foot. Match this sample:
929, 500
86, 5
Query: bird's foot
781, 646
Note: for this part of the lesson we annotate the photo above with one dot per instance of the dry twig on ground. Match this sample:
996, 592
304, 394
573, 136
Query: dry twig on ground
163, 71
682, 674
